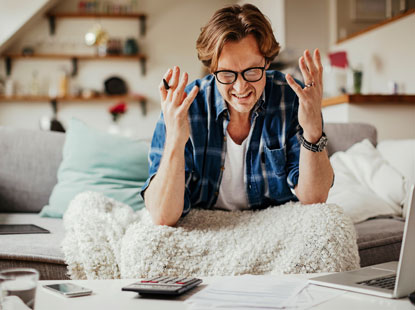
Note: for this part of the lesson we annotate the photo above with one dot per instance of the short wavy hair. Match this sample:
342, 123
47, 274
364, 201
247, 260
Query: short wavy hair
232, 24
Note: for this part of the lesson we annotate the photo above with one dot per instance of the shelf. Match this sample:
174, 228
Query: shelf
96, 15
103, 98
79, 56
374, 98
140, 16
75, 58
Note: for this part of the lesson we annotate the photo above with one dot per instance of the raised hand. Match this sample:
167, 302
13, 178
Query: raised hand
310, 97
175, 104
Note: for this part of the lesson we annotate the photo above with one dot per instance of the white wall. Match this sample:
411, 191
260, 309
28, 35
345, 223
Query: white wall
297, 24
385, 54
392, 120
17, 13
307, 25
172, 30
275, 11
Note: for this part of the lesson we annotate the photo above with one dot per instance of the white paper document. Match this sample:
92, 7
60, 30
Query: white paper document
255, 292
312, 295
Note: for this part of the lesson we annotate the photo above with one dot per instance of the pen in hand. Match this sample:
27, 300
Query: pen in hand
166, 85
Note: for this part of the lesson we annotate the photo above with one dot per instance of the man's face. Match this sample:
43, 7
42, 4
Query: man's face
241, 95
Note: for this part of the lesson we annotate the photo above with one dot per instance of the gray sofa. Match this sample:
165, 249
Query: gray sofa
28, 167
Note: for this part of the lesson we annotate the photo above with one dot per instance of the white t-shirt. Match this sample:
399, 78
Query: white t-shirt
232, 192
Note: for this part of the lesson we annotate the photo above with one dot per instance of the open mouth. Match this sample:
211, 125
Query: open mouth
242, 96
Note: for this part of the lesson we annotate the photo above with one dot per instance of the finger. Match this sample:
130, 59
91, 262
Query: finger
178, 92
304, 71
310, 64
189, 98
183, 96
317, 62
174, 81
162, 88
175, 77
294, 85
168, 74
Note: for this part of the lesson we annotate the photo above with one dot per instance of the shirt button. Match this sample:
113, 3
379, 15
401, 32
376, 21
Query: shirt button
249, 186
222, 168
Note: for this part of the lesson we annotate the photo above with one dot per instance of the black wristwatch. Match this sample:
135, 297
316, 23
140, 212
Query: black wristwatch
314, 147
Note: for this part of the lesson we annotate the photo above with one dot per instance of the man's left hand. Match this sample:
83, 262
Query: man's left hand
310, 97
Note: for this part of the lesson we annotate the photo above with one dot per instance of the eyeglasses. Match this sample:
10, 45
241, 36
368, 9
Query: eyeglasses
253, 74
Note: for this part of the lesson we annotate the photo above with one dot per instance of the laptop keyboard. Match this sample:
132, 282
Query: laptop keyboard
385, 282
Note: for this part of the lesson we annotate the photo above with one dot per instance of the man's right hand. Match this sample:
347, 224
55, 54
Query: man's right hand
175, 104
164, 197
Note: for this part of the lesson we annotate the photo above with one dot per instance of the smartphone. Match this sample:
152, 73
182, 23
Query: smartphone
69, 289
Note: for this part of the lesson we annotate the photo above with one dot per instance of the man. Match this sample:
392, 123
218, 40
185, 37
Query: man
240, 138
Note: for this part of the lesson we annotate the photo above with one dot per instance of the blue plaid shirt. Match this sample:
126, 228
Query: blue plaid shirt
273, 151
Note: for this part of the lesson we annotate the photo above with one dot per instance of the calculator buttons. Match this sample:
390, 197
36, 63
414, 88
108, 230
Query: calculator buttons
163, 285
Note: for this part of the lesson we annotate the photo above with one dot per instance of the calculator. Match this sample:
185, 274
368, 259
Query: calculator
164, 285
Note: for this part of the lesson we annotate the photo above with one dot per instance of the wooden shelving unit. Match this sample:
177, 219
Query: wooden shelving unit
75, 59
72, 98
30, 99
97, 15
78, 56
140, 16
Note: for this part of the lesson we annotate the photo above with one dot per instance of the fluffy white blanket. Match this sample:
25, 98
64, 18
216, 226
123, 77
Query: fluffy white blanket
106, 239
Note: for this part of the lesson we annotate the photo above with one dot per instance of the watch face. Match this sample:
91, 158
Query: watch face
322, 143
317, 147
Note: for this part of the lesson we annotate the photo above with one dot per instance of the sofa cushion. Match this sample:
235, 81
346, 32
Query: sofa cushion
96, 161
40, 251
40, 246
28, 164
379, 240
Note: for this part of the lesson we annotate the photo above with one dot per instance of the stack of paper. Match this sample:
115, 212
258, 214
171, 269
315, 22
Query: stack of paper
248, 291
259, 292
312, 295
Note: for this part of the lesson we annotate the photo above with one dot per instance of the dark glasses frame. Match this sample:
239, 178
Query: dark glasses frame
235, 73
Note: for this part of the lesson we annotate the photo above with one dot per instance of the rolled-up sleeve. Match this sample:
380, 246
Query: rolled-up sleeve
154, 158
293, 147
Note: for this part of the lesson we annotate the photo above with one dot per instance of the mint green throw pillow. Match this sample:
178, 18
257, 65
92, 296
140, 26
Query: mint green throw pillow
92, 160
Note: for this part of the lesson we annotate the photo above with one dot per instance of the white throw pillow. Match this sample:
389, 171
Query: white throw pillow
401, 155
366, 185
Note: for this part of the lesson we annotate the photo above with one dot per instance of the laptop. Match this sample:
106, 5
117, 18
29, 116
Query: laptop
392, 279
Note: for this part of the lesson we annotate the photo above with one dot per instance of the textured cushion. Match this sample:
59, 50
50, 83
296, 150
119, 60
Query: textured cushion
28, 163
92, 160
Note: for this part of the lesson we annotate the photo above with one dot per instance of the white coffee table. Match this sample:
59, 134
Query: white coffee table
108, 295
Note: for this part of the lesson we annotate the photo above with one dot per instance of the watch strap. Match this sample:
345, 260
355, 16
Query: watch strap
317, 147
